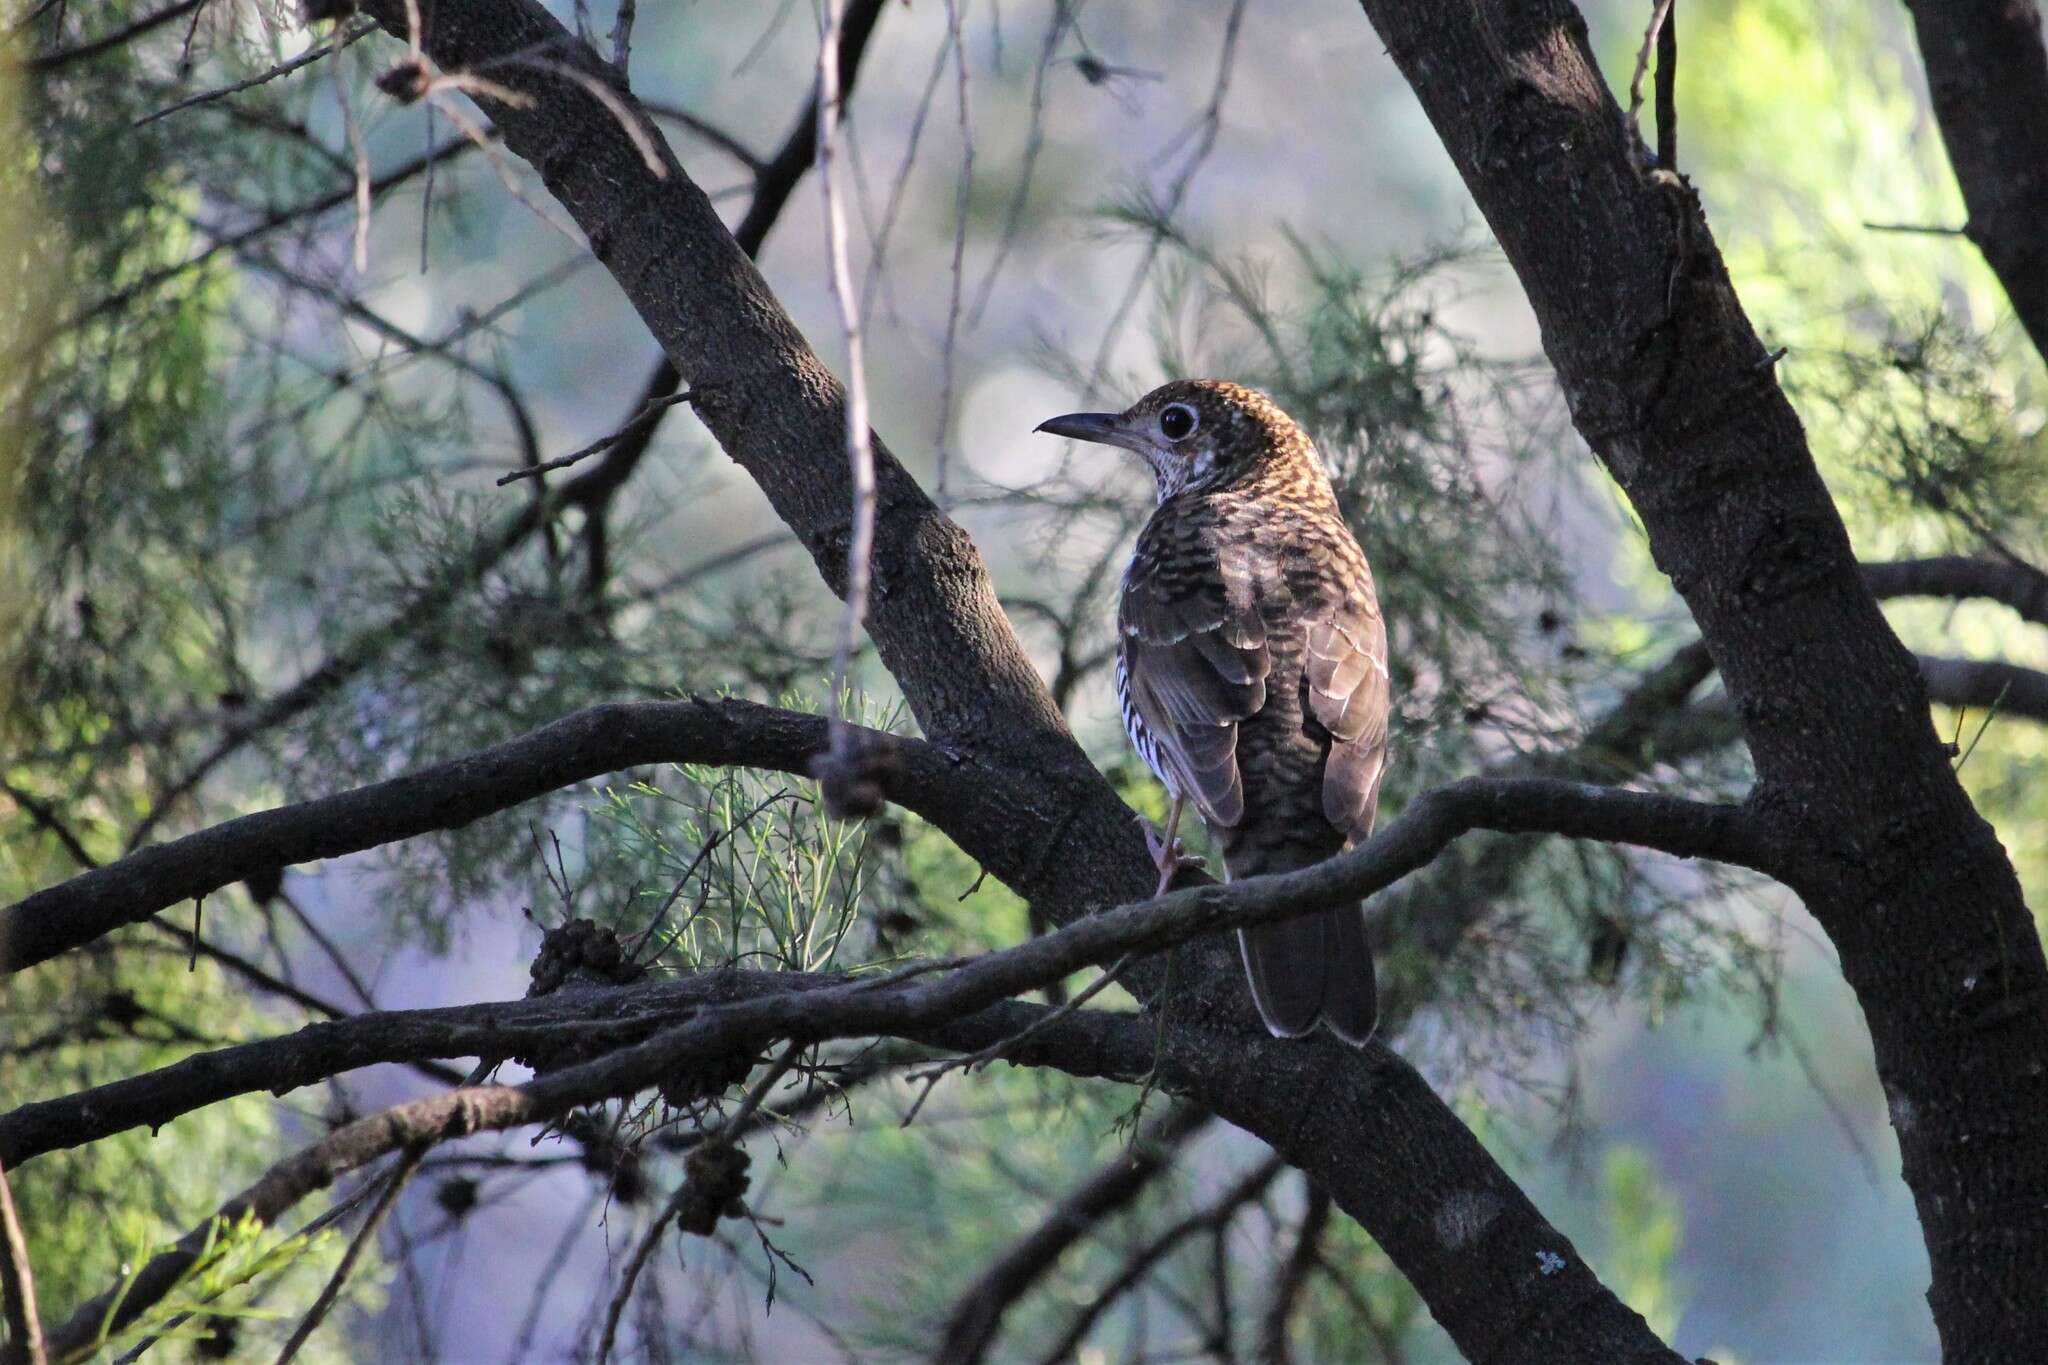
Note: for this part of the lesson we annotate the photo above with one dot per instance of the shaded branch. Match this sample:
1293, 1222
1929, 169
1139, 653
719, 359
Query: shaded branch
756, 1006
1395, 1105
127, 33
2019, 586
977, 1314
24, 1345
1985, 683
1987, 74
1244, 1190
1292, 1278
590, 743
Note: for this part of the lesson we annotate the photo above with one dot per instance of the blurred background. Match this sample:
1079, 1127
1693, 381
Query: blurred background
261, 554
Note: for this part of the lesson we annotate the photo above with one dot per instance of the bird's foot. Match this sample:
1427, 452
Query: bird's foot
1168, 856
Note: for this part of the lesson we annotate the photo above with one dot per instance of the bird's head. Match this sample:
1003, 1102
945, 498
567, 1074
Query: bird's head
1198, 434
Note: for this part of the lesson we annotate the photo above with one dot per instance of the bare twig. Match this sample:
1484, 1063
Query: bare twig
18, 1286
602, 443
962, 198
1658, 14
1204, 130
394, 1182
342, 38
860, 454
984, 1056
622, 34
1292, 1277
1930, 229
717, 136
977, 1315
728, 1131
1141, 1261
128, 33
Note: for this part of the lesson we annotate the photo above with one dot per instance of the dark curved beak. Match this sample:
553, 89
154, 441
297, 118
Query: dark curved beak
1102, 427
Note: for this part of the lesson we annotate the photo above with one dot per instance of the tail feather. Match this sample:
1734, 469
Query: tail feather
1313, 969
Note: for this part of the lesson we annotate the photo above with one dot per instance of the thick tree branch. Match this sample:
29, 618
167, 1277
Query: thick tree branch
1381, 1103
591, 743
769, 401
826, 1007
1670, 386
1987, 73
2022, 587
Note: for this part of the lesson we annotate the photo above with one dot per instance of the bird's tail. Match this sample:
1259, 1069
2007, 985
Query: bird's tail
1312, 969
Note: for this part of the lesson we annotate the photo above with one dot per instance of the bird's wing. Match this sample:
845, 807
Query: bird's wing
1196, 663
1349, 693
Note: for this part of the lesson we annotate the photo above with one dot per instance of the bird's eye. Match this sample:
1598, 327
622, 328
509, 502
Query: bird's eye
1177, 421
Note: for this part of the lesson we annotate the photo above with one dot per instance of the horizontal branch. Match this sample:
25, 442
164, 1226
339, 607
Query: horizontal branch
2022, 587
591, 743
587, 1019
922, 1003
2015, 691
756, 1006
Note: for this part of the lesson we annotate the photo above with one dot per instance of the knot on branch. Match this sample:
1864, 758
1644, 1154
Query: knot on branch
580, 953
715, 1187
408, 82
707, 1077
854, 774
604, 1154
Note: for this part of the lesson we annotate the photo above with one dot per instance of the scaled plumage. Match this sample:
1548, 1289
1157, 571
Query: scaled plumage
1252, 670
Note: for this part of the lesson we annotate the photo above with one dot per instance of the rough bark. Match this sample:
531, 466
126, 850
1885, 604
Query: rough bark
1674, 393
1987, 73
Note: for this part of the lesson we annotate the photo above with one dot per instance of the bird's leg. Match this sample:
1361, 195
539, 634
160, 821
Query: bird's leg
1166, 851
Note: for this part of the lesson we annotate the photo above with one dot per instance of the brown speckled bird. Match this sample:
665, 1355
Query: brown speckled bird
1252, 672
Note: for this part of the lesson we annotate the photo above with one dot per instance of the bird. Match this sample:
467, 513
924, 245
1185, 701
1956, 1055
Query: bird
1251, 671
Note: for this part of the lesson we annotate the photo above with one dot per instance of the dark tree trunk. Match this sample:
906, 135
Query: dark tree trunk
1670, 386
1987, 73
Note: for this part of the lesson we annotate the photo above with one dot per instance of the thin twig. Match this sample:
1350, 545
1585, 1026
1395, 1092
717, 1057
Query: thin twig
603, 443
713, 134
341, 39
1204, 130
962, 202
18, 1286
644, 1251
996, 1049
860, 455
51, 61
622, 35
361, 152
1667, 91
1989, 716
1635, 83
1930, 229
408, 1162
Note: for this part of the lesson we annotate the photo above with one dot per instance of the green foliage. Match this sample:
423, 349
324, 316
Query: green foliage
1643, 1228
